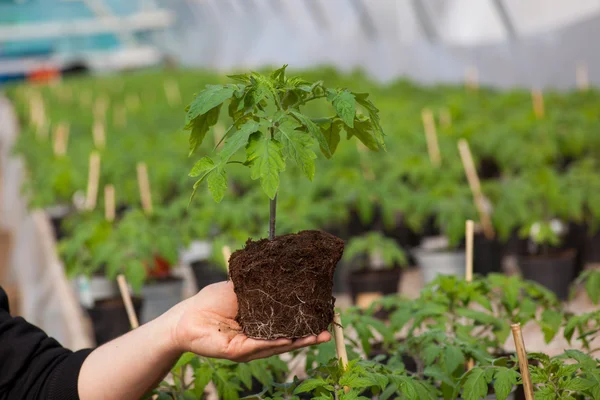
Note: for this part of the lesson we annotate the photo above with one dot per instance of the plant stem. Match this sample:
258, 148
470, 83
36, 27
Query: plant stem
272, 217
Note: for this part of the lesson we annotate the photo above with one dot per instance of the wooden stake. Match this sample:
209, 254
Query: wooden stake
538, 103
226, 250
445, 118
474, 184
469, 251
109, 203
61, 139
172, 92
523, 361
582, 77
99, 135
93, 180
472, 78
431, 136
340, 345
133, 320
144, 185
469, 267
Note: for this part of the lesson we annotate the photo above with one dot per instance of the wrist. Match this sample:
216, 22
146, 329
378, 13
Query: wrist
166, 329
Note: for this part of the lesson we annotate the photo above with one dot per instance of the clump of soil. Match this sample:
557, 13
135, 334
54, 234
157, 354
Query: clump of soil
284, 286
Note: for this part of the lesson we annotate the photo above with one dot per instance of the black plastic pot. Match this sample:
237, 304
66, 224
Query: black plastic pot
109, 318
487, 255
555, 272
383, 281
207, 273
591, 252
377, 349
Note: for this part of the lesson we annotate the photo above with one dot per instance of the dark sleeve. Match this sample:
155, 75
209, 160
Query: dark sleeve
33, 365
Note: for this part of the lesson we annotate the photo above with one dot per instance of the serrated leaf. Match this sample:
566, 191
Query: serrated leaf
378, 379
314, 130
297, 146
361, 98
266, 162
331, 133
592, 286
551, 323
406, 386
243, 372
184, 360
356, 382
344, 104
578, 384
203, 165
453, 357
545, 393
475, 386
309, 385
202, 376
237, 140
430, 353
585, 360
217, 184
209, 98
504, 381
363, 130
200, 126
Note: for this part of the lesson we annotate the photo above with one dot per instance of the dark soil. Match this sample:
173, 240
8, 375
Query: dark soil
284, 286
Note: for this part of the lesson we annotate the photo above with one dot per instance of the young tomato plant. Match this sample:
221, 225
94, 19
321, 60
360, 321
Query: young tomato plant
269, 125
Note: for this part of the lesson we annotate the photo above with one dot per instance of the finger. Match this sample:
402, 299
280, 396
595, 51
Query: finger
323, 337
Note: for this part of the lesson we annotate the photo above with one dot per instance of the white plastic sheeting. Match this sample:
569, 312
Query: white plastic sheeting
428, 40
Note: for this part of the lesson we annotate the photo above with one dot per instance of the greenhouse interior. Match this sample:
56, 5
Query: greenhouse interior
299, 199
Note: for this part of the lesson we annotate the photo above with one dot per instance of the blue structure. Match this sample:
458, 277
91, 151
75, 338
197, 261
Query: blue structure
59, 33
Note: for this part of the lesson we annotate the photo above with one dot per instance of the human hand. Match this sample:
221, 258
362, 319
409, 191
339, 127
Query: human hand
205, 325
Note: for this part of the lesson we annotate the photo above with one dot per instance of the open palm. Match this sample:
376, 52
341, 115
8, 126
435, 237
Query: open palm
206, 326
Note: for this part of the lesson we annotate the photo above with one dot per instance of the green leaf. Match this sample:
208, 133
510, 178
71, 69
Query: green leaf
475, 386
297, 146
245, 375
504, 381
203, 165
361, 98
356, 382
309, 385
363, 130
314, 130
406, 386
217, 184
585, 360
345, 107
200, 126
209, 98
202, 376
184, 360
430, 353
453, 357
551, 323
266, 162
578, 384
592, 286
279, 74
545, 393
331, 133
237, 140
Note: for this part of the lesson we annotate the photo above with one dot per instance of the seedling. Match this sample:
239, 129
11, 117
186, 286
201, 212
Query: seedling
269, 124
